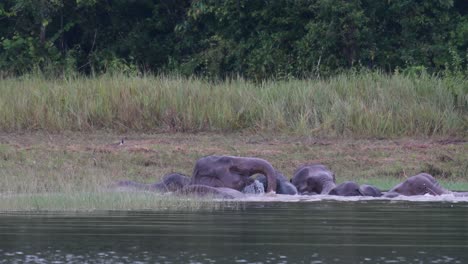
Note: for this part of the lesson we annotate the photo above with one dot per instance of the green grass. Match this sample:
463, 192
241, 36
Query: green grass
358, 105
101, 200
72, 171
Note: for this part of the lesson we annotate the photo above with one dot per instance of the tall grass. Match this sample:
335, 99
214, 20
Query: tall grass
364, 104
84, 201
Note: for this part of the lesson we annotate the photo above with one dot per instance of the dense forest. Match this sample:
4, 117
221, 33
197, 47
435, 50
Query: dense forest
255, 39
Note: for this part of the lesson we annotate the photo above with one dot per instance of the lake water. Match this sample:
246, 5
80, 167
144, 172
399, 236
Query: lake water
259, 232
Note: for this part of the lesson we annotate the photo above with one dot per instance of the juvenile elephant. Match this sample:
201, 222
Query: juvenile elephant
369, 190
232, 172
283, 186
420, 184
313, 179
350, 188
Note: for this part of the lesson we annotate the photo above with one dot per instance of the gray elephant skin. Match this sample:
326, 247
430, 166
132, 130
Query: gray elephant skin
350, 188
217, 176
419, 184
232, 172
282, 183
313, 179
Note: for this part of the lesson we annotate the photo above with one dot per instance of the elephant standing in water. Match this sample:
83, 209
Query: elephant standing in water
313, 179
232, 172
350, 188
420, 184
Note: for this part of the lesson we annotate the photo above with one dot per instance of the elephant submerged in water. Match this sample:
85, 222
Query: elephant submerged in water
313, 179
229, 177
218, 176
350, 188
419, 184
232, 172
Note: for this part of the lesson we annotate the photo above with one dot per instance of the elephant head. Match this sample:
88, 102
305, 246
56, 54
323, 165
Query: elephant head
313, 179
232, 172
420, 184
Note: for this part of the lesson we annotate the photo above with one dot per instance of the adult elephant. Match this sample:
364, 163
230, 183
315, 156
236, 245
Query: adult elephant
283, 186
419, 184
170, 183
350, 188
232, 172
313, 179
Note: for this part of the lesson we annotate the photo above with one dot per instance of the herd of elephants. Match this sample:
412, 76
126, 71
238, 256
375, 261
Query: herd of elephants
230, 177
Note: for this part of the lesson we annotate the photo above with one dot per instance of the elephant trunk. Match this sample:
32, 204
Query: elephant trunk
264, 167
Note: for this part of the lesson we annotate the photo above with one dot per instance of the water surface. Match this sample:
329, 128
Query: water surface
260, 232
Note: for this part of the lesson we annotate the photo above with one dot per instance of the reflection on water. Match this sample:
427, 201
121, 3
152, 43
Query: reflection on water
325, 232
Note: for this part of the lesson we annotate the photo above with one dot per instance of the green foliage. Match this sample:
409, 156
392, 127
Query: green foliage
256, 39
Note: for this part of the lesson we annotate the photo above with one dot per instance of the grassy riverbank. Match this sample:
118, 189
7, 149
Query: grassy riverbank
59, 137
357, 105
70, 171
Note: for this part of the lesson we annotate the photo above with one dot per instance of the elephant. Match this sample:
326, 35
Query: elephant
369, 190
350, 188
282, 183
313, 179
232, 172
170, 183
419, 184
